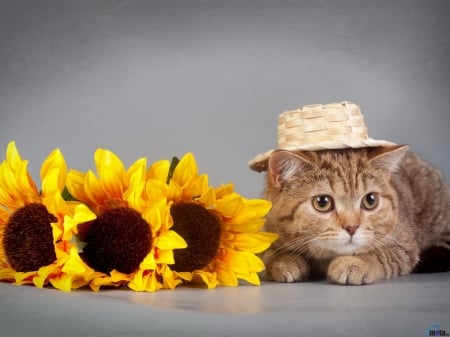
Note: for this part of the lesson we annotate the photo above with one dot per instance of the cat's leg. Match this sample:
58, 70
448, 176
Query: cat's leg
369, 268
286, 267
351, 270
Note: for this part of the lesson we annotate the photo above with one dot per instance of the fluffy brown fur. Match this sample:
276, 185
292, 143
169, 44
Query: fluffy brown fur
379, 210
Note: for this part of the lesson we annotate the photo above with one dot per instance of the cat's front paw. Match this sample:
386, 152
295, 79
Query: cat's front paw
287, 268
350, 270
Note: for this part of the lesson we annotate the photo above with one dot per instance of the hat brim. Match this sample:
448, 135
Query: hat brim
260, 161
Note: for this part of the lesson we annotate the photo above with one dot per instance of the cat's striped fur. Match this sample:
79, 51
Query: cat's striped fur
407, 215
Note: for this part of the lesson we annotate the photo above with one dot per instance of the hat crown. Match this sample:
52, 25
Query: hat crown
319, 123
320, 127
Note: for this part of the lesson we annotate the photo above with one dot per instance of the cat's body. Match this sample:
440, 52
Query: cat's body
354, 216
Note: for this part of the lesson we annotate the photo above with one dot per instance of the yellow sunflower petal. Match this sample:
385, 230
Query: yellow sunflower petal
12, 155
81, 215
7, 274
239, 265
159, 170
238, 262
230, 205
111, 183
251, 226
144, 281
165, 256
99, 282
16, 174
148, 263
254, 242
170, 279
24, 277
185, 275
156, 189
253, 209
226, 277
43, 275
208, 278
5, 196
94, 189
51, 192
195, 187
252, 278
208, 198
55, 160
255, 264
175, 192
136, 172
107, 159
62, 282
4, 214
18, 183
135, 196
185, 170
153, 217
224, 190
117, 276
74, 264
170, 240
78, 282
57, 231
75, 185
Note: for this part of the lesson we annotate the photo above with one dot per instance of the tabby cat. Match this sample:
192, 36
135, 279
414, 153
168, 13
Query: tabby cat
355, 216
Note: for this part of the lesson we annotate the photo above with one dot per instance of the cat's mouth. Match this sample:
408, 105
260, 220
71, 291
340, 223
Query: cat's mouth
348, 248
345, 244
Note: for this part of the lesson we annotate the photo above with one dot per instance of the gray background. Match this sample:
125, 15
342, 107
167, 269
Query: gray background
160, 78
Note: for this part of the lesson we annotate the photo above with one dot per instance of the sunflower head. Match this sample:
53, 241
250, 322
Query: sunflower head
35, 240
118, 239
146, 228
28, 238
221, 228
202, 231
130, 242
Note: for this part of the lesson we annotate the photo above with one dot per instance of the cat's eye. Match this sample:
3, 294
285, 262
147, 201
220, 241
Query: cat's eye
323, 203
370, 201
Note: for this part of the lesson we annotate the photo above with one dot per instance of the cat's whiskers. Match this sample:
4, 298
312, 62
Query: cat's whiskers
314, 251
295, 247
369, 203
384, 242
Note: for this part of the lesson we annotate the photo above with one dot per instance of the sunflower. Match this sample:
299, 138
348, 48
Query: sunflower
222, 229
36, 228
130, 241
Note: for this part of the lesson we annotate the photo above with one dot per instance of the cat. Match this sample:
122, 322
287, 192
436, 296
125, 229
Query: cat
355, 216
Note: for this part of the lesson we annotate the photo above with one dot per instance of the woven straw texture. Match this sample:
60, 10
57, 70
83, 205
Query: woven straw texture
320, 127
315, 124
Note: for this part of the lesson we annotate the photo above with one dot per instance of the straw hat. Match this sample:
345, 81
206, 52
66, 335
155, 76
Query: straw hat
320, 127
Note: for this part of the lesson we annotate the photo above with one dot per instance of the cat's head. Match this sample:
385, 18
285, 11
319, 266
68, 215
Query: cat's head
335, 202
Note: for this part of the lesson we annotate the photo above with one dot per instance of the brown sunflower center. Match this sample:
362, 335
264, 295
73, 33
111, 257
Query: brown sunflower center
118, 239
201, 230
28, 238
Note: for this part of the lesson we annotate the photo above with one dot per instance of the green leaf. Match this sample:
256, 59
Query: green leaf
78, 243
173, 165
67, 196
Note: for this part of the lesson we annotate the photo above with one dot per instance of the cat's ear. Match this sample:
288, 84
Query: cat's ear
284, 164
389, 157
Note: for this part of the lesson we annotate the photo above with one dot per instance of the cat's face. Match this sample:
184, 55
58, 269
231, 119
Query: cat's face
333, 202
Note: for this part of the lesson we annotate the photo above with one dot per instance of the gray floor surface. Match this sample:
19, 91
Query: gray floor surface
406, 306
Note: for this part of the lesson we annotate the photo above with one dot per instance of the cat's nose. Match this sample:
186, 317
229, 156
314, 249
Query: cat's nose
351, 229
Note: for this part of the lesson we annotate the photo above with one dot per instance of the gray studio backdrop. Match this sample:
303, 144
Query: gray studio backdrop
160, 78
